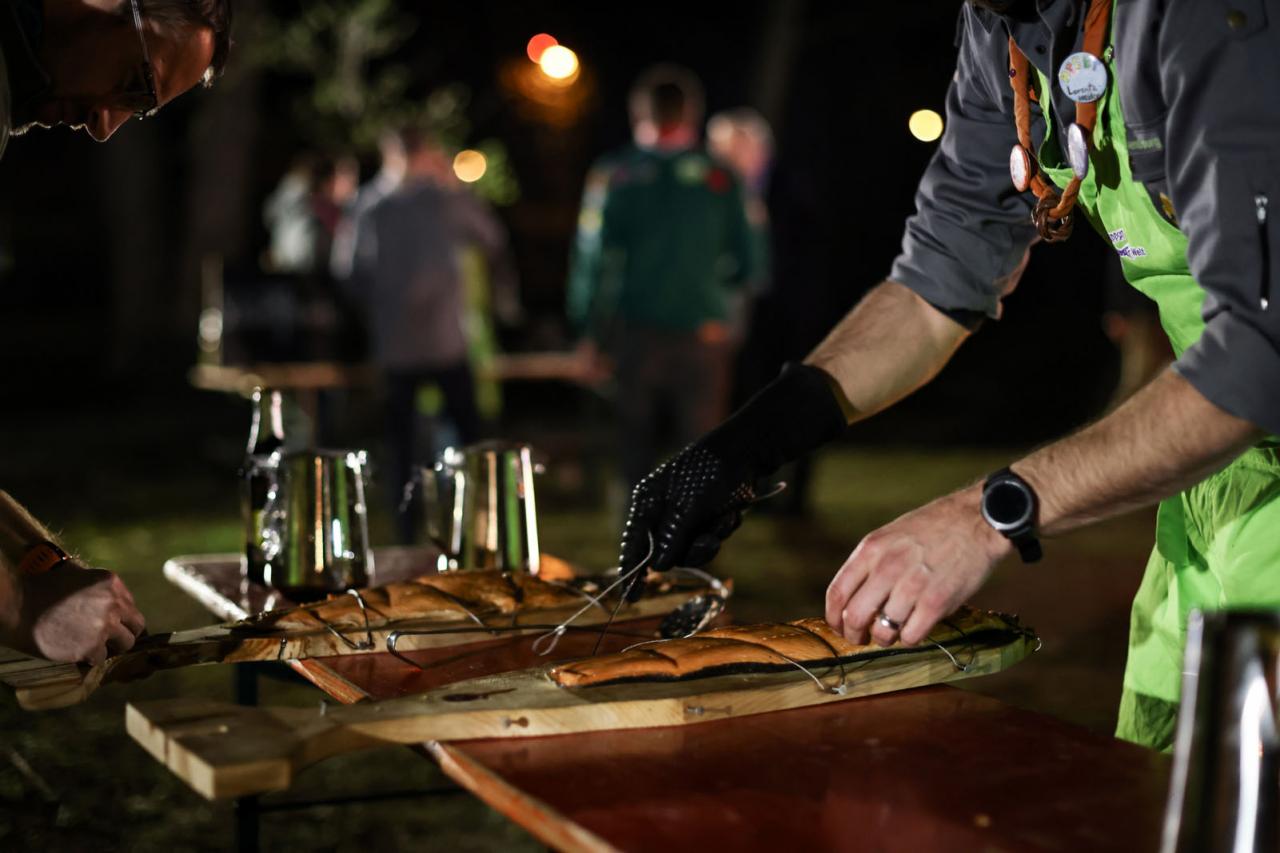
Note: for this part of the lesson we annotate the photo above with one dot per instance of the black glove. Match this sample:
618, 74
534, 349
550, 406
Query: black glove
693, 501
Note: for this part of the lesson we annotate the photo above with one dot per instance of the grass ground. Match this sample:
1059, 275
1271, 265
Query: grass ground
72, 780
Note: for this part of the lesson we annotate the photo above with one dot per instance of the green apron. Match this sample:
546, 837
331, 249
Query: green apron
1217, 543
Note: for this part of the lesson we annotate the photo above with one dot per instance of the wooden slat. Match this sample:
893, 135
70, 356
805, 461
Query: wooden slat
534, 815
44, 685
223, 750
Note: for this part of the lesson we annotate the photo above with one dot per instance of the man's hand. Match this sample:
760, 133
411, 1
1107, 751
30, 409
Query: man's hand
691, 503
74, 614
915, 570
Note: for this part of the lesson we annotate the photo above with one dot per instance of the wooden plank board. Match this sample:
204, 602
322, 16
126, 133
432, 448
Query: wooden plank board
44, 685
215, 582
223, 750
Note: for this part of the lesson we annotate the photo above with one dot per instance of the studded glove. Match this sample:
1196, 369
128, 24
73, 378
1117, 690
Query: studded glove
693, 501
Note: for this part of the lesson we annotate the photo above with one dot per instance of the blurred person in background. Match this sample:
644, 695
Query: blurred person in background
406, 271
742, 140
391, 169
334, 190
304, 213
662, 239
782, 316
91, 66
1174, 166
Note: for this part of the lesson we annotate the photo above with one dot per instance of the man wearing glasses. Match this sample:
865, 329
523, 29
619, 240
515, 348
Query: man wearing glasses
93, 64
88, 64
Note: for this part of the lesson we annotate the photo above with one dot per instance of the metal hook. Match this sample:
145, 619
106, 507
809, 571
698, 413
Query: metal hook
361, 646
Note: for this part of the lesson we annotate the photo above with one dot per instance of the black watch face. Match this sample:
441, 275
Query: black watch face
1007, 505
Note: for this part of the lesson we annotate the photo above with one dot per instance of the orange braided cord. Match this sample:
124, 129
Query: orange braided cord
1068, 200
1020, 82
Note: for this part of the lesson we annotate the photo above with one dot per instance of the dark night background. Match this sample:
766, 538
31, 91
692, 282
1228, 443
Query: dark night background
101, 243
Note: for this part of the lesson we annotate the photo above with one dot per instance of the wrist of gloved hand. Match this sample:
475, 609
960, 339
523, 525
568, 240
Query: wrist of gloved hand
793, 415
684, 509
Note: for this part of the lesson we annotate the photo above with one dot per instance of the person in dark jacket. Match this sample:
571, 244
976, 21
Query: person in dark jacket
406, 271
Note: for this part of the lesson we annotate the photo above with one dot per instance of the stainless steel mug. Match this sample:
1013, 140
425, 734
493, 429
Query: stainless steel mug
1225, 790
479, 506
315, 534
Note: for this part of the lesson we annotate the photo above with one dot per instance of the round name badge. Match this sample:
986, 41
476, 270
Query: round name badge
1083, 77
1020, 168
1078, 150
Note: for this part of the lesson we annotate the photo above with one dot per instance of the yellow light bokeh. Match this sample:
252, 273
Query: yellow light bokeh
469, 166
925, 125
558, 62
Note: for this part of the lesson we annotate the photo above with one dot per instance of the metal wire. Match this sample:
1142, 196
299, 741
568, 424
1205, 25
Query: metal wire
547, 643
394, 637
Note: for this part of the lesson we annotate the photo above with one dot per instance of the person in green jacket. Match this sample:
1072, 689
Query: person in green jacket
662, 238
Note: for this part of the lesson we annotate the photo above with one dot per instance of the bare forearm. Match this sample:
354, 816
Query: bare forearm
890, 344
18, 532
1166, 438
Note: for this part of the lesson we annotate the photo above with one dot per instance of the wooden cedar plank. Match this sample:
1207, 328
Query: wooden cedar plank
223, 750
46, 685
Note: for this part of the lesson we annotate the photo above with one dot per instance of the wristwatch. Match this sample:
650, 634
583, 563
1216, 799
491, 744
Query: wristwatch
1010, 505
40, 558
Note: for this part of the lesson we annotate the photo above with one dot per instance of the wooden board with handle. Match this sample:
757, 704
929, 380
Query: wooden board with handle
223, 750
295, 634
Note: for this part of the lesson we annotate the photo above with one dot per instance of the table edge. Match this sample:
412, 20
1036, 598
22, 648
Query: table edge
531, 814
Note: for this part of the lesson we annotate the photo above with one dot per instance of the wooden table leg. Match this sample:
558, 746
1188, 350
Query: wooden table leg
248, 812
246, 684
248, 824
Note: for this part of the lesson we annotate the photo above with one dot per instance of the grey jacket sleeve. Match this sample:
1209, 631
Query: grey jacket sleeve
965, 246
1220, 73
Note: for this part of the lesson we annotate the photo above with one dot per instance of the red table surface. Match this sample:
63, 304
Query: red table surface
936, 768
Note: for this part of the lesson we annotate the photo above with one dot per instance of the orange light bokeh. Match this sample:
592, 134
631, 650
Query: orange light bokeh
538, 44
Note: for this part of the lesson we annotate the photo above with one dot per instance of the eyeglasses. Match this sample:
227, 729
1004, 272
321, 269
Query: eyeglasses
144, 104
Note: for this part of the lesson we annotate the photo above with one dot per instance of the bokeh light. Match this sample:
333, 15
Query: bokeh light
925, 125
538, 45
469, 166
558, 62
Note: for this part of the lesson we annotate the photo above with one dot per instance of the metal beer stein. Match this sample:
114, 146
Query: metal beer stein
315, 535
1225, 790
479, 506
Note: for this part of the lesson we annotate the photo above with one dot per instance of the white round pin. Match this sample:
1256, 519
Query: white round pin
1078, 150
1020, 168
1083, 77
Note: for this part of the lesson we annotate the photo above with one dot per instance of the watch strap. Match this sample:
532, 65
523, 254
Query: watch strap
1028, 547
40, 558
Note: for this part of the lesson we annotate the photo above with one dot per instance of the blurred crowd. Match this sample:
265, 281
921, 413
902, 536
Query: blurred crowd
675, 250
